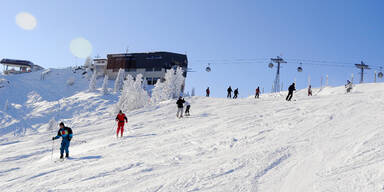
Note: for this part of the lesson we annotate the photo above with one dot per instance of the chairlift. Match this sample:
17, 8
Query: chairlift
208, 68
300, 68
270, 65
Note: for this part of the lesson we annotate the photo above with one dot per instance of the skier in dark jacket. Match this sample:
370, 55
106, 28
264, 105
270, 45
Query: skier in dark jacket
229, 91
67, 134
180, 105
208, 92
235, 93
257, 94
290, 92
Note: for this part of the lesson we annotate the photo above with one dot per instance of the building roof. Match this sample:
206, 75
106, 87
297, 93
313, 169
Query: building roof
17, 62
147, 60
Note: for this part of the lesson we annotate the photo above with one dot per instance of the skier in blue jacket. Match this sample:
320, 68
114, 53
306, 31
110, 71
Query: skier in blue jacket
67, 134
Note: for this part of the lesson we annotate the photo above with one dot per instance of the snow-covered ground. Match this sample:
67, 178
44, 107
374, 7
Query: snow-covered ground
331, 141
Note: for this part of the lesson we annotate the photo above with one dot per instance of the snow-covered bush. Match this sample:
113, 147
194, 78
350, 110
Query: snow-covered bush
104, 87
92, 83
170, 88
133, 95
119, 81
71, 81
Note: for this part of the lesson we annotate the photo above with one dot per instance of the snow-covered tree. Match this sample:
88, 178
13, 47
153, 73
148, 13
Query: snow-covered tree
104, 88
193, 92
133, 95
170, 88
88, 74
119, 81
92, 83
88, 62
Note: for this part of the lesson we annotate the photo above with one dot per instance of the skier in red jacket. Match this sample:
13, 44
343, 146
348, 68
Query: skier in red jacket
120, 125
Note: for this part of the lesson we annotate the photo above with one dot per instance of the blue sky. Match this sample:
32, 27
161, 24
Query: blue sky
236, 36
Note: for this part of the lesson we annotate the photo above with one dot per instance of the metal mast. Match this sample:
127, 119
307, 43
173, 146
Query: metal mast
276, 85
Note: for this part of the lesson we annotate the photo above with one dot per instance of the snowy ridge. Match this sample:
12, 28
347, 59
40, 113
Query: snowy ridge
329, 142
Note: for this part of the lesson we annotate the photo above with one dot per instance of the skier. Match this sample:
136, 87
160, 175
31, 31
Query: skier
120, 125
180, 105
229, 90
188, 106
207, 91
67, 134
235, 93
348, 86
290, 92
309, 90
257, 92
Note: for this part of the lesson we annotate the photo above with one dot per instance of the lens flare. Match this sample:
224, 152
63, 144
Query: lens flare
80, 47
26, 21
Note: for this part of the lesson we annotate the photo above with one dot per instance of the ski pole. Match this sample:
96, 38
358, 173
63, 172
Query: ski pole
52, 150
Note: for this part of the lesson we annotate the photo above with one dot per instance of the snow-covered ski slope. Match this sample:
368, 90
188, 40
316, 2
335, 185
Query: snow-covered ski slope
331, 141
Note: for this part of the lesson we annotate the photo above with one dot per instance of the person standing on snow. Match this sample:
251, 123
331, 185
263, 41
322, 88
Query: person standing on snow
348, 86
257, 94
235, 93
188, 106
290, 92
229, 91
120, 118
67, 134
180, 106
309, 90
208, 92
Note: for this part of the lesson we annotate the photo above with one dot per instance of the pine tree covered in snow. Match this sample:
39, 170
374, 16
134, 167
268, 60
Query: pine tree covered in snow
104, 87
119, 81
92, 83
88, 75
133, 95
170, 88
88, 62
193, 92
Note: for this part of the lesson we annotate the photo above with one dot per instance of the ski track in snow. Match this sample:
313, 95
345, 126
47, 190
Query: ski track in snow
331, 141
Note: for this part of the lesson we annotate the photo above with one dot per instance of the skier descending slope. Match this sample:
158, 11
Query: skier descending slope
180, 106
290, 92
120, 125
67, 134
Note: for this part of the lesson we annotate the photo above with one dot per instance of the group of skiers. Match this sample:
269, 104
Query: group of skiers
235, 92
66, 133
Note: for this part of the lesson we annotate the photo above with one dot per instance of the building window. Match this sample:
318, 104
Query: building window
130, 70
157, 69
149, 81
148, 69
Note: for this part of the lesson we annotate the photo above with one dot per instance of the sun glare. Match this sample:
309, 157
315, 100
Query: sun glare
80, 47
26, 21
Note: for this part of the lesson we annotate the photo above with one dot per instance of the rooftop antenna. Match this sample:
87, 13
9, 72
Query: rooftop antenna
362, 66
276, 84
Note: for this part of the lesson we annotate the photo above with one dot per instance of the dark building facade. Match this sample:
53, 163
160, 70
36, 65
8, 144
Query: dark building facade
152, 65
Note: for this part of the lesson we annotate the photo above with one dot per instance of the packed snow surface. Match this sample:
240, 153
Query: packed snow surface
331, 141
